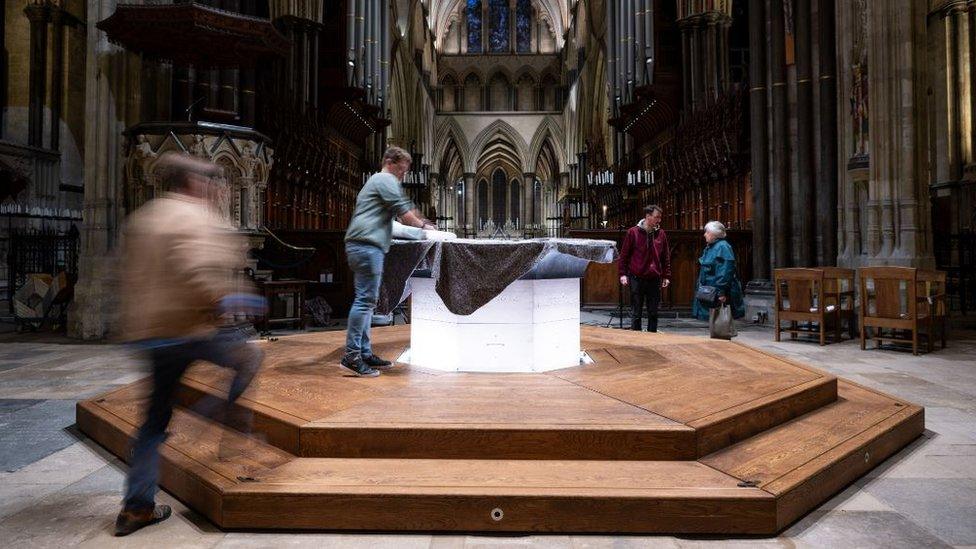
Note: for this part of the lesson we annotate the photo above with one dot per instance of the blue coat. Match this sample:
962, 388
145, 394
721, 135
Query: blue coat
717, 268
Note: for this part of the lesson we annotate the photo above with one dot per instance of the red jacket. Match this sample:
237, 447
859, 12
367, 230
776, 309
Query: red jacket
645, 254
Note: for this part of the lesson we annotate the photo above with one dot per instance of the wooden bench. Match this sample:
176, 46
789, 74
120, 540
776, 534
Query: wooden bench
902, 299
824, 296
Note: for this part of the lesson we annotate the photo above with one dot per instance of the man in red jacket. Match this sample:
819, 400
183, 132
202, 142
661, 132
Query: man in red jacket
645, 266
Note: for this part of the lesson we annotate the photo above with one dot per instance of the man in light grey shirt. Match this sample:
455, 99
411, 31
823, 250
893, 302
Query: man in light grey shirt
367, 242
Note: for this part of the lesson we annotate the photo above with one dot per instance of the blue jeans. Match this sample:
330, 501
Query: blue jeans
170, 359
366, 262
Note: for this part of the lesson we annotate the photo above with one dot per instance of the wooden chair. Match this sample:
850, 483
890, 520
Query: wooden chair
901, 299
813, 295
840, 290
937, 295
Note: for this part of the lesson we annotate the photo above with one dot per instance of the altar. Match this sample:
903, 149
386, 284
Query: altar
492, 305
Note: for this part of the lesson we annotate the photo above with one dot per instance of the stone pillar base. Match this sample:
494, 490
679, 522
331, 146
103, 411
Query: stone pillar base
94, 312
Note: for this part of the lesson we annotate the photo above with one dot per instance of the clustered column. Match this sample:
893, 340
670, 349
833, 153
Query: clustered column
759, 138
794, 211
38, 13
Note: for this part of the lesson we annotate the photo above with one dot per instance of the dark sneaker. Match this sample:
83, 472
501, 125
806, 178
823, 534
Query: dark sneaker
357, 366
130, 521
376, 362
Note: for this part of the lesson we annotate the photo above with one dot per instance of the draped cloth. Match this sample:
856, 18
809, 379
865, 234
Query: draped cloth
469, 273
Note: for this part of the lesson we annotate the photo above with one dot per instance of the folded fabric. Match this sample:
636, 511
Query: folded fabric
404, 232
439, 236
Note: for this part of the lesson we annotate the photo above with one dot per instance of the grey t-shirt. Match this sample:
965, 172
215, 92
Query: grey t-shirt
372, 221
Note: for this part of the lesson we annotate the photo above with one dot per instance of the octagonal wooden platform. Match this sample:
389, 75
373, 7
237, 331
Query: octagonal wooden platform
662, 434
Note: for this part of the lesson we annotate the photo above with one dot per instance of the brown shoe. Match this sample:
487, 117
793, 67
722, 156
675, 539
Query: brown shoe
130, 521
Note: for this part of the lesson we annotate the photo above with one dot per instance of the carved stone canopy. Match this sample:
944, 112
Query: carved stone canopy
243, 154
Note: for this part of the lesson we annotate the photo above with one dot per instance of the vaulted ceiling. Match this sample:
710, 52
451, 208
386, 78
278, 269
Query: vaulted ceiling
443, 12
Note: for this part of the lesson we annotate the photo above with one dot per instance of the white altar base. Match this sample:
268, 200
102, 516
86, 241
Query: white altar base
532, 326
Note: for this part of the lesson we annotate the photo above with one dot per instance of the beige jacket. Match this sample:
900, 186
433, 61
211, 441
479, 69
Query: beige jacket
179, 262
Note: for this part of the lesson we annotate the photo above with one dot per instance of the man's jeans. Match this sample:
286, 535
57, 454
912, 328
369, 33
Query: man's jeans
366, 262
644, 292
169, 360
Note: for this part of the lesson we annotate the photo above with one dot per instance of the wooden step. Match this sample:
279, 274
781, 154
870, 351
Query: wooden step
508, 447
805, 461
260, 486
199, 460
758, 486
499, 495
672, 398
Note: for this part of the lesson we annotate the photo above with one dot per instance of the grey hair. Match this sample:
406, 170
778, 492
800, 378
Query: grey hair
716, 228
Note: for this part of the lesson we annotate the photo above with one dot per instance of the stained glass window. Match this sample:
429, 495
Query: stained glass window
499, 34
474, 26
523, 26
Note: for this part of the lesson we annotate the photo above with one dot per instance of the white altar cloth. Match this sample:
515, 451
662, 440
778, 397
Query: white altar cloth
532, 326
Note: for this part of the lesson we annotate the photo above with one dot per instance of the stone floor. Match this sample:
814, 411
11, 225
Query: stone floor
58, 488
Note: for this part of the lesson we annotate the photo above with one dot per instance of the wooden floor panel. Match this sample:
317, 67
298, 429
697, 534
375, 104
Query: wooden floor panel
608, 447
557, 496
768, 456
669, 397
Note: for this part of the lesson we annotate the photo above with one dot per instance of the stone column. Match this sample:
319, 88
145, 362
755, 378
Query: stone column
696, 65
759, 143
57, 75
827, 228
779, 198
709, 57
38, 13
963, 59
528, 180
971, 168
803, 201
109, 73
724, 76
898, 184
470, 192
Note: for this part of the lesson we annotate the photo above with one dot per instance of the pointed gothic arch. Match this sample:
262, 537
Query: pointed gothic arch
549, 130
505, 131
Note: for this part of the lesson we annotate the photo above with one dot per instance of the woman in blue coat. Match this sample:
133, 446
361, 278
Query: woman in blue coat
717, 268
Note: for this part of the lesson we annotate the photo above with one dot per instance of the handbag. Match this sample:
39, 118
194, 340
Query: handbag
721, 325
707, 296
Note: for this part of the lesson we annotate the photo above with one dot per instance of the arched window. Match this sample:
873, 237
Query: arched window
514, 211
472, 93
549, 99
498, 196
482, 203
500, 93
499, 32
523, 26
474, 26
449, 94
525, 94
